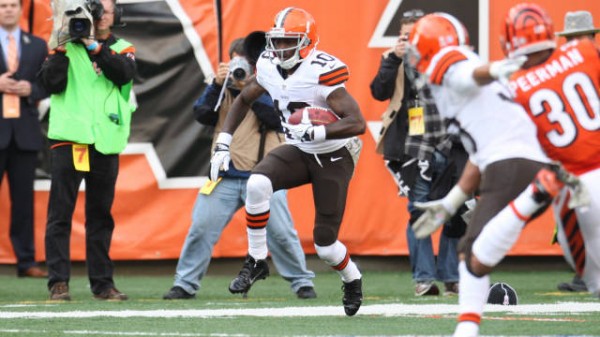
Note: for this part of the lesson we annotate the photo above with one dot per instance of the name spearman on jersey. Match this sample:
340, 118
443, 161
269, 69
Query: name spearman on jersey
550, 70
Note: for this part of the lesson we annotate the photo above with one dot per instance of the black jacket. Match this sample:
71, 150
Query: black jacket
26, 129
382, 89
118, 68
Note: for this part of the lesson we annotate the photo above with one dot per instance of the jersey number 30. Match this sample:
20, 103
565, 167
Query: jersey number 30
577, 88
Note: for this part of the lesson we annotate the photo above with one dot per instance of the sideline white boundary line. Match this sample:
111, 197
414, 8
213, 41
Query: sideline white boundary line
388, 310
188, 334
20, 332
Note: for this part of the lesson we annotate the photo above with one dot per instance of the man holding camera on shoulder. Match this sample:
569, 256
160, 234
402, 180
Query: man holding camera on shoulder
90, 79
218, 200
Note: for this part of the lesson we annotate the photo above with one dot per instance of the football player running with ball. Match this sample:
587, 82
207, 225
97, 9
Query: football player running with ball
297, 75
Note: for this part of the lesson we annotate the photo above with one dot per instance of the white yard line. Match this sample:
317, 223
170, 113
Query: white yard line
22, 332
378, 310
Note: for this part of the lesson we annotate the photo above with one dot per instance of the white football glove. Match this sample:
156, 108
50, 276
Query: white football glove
221, 158
501, 70
305, 131
437, 212
302, 132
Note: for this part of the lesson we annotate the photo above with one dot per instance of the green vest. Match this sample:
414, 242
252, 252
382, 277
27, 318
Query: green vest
92, 109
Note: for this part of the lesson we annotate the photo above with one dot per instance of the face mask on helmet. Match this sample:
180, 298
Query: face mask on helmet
527, 29
412, 56
285, 48
411, 59
292, 38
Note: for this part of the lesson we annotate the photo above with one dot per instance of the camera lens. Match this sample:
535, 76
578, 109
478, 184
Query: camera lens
239, 74
78, 26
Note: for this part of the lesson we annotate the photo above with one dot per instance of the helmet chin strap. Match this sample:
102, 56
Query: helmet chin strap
291, 62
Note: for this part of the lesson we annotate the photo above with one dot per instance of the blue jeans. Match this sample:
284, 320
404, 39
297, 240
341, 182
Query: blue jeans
422, 260
213, 212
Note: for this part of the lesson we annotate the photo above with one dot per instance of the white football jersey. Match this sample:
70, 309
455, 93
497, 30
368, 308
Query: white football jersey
318, 75
492, 127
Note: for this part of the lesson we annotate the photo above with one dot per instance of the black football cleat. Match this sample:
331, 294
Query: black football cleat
252, 271
577, 285
352, 296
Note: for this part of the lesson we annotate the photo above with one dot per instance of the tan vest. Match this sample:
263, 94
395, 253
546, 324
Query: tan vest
393, 108
246, 138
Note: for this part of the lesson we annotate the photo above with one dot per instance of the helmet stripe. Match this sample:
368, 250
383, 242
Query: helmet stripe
527, 14
279, 21
460, 31
528, 29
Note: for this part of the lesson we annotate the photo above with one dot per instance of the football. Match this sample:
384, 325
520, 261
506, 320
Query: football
317, 116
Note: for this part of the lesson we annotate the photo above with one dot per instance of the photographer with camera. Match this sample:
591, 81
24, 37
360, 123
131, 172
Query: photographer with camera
90, 79
423, 159
218, 201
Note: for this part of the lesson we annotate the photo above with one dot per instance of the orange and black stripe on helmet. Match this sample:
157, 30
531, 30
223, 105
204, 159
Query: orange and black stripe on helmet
527, 29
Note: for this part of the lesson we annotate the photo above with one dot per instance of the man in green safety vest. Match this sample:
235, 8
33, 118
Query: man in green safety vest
89, 78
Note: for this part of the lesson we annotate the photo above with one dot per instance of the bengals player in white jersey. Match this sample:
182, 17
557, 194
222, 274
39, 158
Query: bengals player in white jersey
559, 88
505, 156
297, 75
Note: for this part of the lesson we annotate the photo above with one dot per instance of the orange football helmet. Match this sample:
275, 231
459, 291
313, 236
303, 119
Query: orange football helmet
527, 29
432, 33
297, 24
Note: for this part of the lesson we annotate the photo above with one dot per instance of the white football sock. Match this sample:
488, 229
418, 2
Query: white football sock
336, 256
503, 230
259, 192
472, 296
257, 243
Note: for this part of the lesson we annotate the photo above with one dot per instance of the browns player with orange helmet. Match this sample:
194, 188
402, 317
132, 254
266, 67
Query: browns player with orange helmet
297, 75
293, 24
528, 33
505, 156
559, 89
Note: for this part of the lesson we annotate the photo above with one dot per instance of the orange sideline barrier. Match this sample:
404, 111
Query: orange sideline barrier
152, 223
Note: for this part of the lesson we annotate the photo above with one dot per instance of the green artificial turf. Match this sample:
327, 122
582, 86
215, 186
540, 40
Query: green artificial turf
30, 295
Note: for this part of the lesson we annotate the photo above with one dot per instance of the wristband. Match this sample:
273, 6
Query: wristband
319, 133
454, 199
224, 138
92, 46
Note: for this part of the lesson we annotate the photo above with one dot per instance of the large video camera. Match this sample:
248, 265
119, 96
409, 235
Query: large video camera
73, 20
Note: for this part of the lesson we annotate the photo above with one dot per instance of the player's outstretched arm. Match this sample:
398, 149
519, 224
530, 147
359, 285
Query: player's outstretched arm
498, 70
